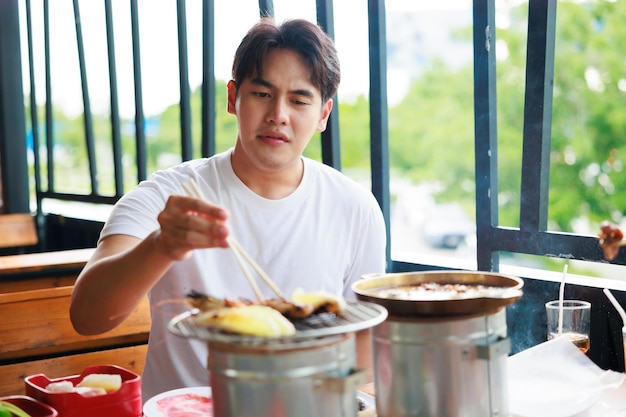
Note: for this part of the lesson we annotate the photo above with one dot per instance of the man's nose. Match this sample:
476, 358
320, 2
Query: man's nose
277, 113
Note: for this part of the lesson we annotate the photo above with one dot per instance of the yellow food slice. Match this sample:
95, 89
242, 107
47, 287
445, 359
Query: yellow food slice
320, 299
254, 320
108, 382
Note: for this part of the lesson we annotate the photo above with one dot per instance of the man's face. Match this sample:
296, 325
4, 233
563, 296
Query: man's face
277, 113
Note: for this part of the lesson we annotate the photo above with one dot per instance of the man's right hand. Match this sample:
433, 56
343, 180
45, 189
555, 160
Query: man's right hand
189, 223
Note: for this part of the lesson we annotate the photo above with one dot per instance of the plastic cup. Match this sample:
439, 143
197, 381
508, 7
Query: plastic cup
576, 322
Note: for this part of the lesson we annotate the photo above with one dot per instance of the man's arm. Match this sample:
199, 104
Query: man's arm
117, 277
124, 268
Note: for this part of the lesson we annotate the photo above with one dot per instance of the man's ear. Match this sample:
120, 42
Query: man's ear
326, 109
232, 96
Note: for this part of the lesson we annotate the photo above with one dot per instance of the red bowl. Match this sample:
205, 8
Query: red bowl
31, 406
125, 402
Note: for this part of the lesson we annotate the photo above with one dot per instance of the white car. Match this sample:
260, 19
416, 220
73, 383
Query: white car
447, 226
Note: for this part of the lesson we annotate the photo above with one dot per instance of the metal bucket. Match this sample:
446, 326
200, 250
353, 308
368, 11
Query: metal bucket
441, 367
312, 379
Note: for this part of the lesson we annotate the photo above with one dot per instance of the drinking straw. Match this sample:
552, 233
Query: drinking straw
561, 293
617, 306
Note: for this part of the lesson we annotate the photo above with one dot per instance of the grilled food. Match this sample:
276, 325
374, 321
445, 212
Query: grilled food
322, 301
290, 309
271, 319
287, 308
254, 320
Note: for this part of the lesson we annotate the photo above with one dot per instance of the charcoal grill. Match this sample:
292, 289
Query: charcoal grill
309, 374
357, 316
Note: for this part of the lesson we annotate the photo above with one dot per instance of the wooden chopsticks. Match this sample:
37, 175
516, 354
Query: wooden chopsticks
238, 249
240, 254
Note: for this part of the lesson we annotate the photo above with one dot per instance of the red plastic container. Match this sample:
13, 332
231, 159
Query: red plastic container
125, 402
31, 406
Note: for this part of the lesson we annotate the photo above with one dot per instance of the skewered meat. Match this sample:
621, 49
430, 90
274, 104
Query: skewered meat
254, 320
610, 240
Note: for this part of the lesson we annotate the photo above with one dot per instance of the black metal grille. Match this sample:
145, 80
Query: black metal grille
357, 316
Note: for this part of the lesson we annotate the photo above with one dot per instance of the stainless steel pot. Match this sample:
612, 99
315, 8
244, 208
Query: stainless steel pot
510, 286
441, 358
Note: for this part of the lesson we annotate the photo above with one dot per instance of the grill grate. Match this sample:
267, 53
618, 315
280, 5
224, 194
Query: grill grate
358, 315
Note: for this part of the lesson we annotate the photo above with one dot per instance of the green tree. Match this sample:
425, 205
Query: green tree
431, 130
589, 120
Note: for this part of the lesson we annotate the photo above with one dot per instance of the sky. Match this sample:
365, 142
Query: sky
159, 50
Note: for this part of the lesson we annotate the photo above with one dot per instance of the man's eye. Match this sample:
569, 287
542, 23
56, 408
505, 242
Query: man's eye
262, 94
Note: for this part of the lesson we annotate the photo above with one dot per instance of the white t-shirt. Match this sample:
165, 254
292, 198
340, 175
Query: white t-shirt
324, 236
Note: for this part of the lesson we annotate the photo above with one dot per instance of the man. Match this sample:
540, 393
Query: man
305, 223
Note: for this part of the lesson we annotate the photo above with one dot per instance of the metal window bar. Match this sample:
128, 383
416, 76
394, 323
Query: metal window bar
49, 117
537, 116
208, 79
33, 107
14, 196
41, 230
331, 151
266, 8
140, 134
183, 77
485, 131
116, 136
87, 117
379, 133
